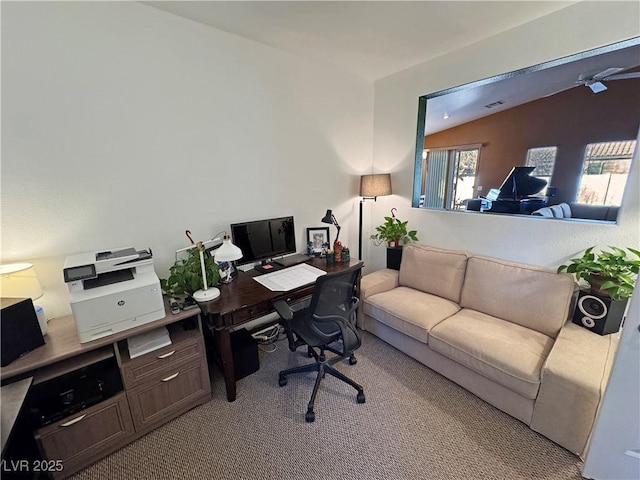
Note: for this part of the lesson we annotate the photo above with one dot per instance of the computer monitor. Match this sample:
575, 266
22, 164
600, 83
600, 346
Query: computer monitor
264, 239
520, 184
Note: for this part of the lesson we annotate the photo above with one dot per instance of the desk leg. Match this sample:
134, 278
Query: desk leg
223, 344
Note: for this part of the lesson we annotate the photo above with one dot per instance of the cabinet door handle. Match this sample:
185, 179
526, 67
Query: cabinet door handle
171, 377
75, 420
167, 354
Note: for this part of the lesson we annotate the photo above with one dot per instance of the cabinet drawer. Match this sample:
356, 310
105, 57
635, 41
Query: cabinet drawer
249, 313
156, 402
159, 363
87, 436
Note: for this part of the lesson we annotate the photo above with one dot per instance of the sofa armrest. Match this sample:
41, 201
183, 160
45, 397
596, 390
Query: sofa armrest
376, 282
572, 384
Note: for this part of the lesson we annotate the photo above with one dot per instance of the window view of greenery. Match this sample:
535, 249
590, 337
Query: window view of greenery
604, 172
543, 158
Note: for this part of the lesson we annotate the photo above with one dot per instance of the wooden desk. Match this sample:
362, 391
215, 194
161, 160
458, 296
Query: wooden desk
244, 300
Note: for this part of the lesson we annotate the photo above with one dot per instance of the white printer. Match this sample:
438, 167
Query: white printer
112, 291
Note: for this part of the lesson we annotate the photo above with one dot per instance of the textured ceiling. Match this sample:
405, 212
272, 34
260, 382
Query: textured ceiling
370, 39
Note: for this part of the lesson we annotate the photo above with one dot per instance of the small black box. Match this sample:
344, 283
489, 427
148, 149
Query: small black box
245, 353
20, 330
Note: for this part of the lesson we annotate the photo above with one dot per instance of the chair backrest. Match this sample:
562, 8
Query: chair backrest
333, 306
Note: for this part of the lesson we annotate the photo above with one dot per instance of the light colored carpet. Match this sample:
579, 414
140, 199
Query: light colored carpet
415, 424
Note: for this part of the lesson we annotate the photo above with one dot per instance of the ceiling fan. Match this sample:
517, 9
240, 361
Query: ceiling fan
594, 81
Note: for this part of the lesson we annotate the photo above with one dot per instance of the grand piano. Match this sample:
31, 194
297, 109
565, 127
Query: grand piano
517, 194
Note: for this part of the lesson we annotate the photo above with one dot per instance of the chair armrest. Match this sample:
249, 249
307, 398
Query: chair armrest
572, 384
378, 282
283, 309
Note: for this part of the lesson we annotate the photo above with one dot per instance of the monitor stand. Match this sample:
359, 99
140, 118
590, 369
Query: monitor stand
267, 267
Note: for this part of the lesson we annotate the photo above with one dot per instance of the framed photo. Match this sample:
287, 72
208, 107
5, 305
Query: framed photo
317, 238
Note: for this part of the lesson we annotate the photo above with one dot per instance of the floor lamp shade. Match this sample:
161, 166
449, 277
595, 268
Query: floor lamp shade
371, 187
19, 280
377, 185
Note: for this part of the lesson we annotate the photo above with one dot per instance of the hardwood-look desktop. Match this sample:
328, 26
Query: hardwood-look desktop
244, 300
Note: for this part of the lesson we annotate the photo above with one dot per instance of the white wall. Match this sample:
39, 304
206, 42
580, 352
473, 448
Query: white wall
577, 28
123, 125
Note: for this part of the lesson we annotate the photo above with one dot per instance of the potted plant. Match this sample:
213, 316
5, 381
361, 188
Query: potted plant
394, 233
609, 273
185, 276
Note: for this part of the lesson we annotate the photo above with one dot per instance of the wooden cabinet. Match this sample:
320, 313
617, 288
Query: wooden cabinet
155, 388
86, 436
167, 382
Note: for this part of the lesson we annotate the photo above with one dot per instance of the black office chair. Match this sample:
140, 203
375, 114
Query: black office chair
328, 323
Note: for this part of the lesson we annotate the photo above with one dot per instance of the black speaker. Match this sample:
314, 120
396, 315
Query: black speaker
599, 314
20, 330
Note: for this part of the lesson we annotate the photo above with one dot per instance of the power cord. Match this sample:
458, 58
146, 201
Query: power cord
268, 337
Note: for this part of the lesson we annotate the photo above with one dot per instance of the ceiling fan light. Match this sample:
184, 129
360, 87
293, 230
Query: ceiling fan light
596, 87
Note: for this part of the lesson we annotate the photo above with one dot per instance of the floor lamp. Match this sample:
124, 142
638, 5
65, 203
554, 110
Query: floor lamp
372, 187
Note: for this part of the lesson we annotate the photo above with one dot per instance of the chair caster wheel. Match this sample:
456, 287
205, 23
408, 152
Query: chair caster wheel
360, 398
282, 381
310, 416
353, 360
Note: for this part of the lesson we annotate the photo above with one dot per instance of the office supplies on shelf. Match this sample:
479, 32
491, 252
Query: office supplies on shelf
112, 291
290, 278
148, 342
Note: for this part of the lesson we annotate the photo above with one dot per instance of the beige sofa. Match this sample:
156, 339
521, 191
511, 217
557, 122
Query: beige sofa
498, 329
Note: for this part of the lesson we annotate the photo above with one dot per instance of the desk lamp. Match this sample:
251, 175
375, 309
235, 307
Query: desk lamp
227, 252
372, 187
19, 280
330, 218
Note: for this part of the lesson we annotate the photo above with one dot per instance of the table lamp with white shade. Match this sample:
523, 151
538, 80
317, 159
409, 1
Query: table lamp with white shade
19, 280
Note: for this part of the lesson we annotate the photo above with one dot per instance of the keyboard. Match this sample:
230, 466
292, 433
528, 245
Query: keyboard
291, 260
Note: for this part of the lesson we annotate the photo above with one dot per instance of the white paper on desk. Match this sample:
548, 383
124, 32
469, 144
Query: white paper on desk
148, 342
290, 277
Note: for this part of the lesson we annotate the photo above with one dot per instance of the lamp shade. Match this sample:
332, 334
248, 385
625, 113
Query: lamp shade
227, 252
328, 218
377, 185
19, 280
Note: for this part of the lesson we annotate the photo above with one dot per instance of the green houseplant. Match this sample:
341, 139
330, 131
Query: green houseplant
185, 276
394, 232
611, 273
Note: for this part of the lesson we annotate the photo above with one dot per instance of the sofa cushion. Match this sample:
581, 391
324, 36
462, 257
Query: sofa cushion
409, 311
433, 270
504, 352
529, 296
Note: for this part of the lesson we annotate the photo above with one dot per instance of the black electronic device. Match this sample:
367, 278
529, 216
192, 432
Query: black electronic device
262, 240
245, 353
19, 329
520, 184
599, 314
71, 392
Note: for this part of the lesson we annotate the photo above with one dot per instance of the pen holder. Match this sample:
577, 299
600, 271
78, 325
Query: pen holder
330, 257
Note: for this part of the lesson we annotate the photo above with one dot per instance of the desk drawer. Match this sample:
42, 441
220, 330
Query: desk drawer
153, 403
159, 363
87, 436
255, 311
